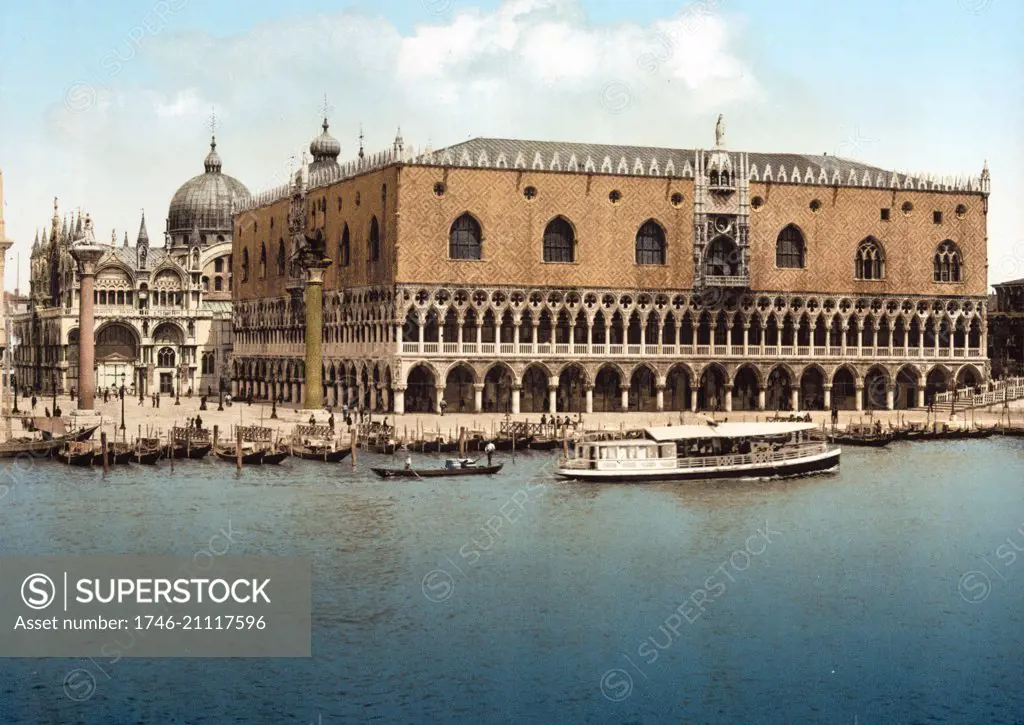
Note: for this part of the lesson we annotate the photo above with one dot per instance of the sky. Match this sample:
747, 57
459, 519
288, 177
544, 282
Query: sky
107, 106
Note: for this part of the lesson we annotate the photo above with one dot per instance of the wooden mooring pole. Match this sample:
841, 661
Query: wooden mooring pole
238, 449
106, 461
354, 441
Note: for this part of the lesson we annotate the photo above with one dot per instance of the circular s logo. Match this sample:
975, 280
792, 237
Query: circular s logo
38, 591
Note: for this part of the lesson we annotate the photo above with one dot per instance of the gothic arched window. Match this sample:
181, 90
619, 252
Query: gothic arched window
165, 358
245, 265
870, 262
218, 284
263, 260
789, 248
650, 243
464, 238
344, 249
373, 243
559, 241
280, 257
948, 264
208, 363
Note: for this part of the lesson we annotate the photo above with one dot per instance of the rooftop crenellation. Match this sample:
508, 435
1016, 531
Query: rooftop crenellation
583, 158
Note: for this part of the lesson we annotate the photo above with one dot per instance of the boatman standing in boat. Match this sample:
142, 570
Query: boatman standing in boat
408, 463
489, 450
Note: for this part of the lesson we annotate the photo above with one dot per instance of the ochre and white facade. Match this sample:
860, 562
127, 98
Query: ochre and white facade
519, 276
162, 314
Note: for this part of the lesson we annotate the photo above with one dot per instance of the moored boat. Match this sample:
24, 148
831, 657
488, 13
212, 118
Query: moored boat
458, 470
319, 453
690, 452
148, 451
250, 457
75, 453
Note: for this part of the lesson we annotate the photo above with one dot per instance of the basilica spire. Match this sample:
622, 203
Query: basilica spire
361, 154
143, 238
399, 143
125, 245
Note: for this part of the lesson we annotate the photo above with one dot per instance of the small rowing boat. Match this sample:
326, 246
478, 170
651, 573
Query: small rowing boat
76, 453
468, 470
319, 453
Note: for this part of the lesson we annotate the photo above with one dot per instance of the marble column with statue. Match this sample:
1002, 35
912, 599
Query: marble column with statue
87, 253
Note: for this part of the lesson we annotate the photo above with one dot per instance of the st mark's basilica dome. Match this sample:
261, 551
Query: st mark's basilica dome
204, 202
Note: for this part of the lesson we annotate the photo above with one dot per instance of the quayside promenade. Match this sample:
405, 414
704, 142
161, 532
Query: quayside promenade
147, 418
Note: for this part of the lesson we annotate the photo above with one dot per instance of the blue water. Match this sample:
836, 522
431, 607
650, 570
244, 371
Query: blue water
857, 597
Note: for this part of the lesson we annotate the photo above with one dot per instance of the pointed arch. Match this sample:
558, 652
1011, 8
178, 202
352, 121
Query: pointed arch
790, 248
373, 241
948, 262
650, 243
465, 238
280, 257
870, 260
345, 247
559, 241
263, 260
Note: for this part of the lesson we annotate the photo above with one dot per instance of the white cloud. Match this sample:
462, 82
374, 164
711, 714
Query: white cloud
531, 68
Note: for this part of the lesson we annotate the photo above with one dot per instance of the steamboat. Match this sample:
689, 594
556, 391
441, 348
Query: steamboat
690, 452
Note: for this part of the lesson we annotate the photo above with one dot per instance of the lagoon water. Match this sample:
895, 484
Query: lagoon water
885, 593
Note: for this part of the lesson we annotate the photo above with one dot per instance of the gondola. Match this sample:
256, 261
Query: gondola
436, 472
249, 458
319, 453
148, 451
180, 450
117, 454
873, 440
273, 457
41, 448
383, 448
75, 453
82, 435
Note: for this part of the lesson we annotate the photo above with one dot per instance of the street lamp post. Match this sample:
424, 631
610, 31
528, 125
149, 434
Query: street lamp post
220, 394
273, 396
14, 385
177, 389
53, 376
123, 434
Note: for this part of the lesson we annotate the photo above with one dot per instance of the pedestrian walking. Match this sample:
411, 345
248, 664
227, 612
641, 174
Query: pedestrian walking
34, 401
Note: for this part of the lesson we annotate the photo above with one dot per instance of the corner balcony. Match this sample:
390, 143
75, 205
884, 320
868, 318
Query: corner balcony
735, 280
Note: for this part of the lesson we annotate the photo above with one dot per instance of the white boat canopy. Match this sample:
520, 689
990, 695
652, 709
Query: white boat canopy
725, 430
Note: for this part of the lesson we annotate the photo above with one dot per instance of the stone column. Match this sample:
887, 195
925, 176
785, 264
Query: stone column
794, 396
889, 397
624, 399
859, 396
660, 398
439, 396
553, 394
478, 397
746, 339
590, 398
515, 399
760, 398
87, 254
693, 400
399, 400
314, 384
828, 396
728, 398
920, 396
